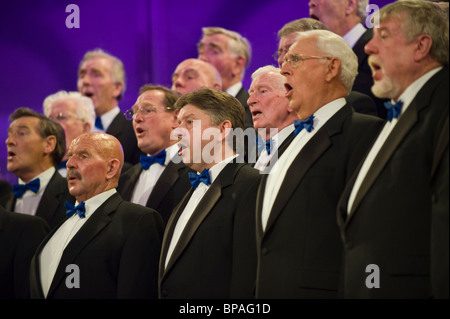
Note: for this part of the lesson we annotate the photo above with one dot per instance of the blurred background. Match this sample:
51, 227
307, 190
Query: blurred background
39, 55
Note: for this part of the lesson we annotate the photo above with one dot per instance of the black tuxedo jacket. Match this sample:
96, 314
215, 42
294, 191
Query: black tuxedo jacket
390, 221
299, 253
20, 235
168, 191
51, 207
242, 96
364, 81
362, 103
6, 193
116, 250
122, 129
201, 263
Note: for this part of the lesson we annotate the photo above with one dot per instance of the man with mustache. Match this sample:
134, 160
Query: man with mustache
298, 243
114, 245
393, 215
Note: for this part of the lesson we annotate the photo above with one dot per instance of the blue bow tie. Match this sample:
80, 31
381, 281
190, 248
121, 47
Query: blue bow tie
98, 123
20, 189
147, 161
196, 179
267, 144
307, 124
393, 110
72, 209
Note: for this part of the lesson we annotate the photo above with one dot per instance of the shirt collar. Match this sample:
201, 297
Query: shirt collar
352, 36
109, 116
44, 178
93, 203
234, 89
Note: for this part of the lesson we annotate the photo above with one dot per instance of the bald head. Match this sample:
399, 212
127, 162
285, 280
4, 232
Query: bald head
94, 164
193, 74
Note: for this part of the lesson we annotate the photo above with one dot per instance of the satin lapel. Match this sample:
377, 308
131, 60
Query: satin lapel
49, 203
406, 122
301, 164
128, 185
99, 220
170, 227
201, 211
258, 210
165, 182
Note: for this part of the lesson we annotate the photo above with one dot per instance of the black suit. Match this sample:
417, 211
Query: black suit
201, 263
6, 192
362, 103
20, 235
364, 81
242, 96
116, 250
299, 253
391, 217
170, 188
51, 207
122, 129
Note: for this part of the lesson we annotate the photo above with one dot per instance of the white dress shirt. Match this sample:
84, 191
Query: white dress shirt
234, 89
52, 252
107, 119
407, 96
274, 181
148, 178
29, 202
278, 139
352, 36
196, 197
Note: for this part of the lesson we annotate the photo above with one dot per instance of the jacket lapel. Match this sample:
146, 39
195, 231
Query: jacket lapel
127, 188
202, 210
165, 182
99, 220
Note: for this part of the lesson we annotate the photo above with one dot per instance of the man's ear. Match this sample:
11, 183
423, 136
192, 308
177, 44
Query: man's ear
225, 129
332, 70
423, 47
50, 144
239, 65
175, 118
112, 168
352, 5
117, 89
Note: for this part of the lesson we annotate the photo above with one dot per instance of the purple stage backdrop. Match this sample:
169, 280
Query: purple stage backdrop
39, 54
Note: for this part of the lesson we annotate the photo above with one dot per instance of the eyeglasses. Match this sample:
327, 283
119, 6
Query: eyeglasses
144, 111
279, 53
60, 117
294, 59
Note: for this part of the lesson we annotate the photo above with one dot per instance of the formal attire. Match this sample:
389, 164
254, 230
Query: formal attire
357, 38
160, 187
197, 252
115, 124
115, 247
6, 192
47, 203
362, 103
240, 93
297, 238
20, 235
385, 212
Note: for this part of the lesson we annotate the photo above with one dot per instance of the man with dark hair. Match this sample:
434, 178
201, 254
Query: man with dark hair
35, 146
202, 233
161, 179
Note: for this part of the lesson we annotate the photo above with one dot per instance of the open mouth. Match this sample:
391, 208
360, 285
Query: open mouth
255, 113
376, 69
11, 155
139, 131
289, 89
181, 147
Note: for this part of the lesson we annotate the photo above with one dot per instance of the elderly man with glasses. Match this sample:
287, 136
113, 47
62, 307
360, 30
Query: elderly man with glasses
297, 237
160, 180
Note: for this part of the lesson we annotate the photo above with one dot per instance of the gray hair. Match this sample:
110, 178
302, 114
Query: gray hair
303, 24
238, 45
361, 10
117, 68
281, 79
421, 17
85, 107
332, 45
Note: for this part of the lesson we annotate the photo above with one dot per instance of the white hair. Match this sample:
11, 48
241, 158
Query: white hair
332, 45
85, 107
281, 79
